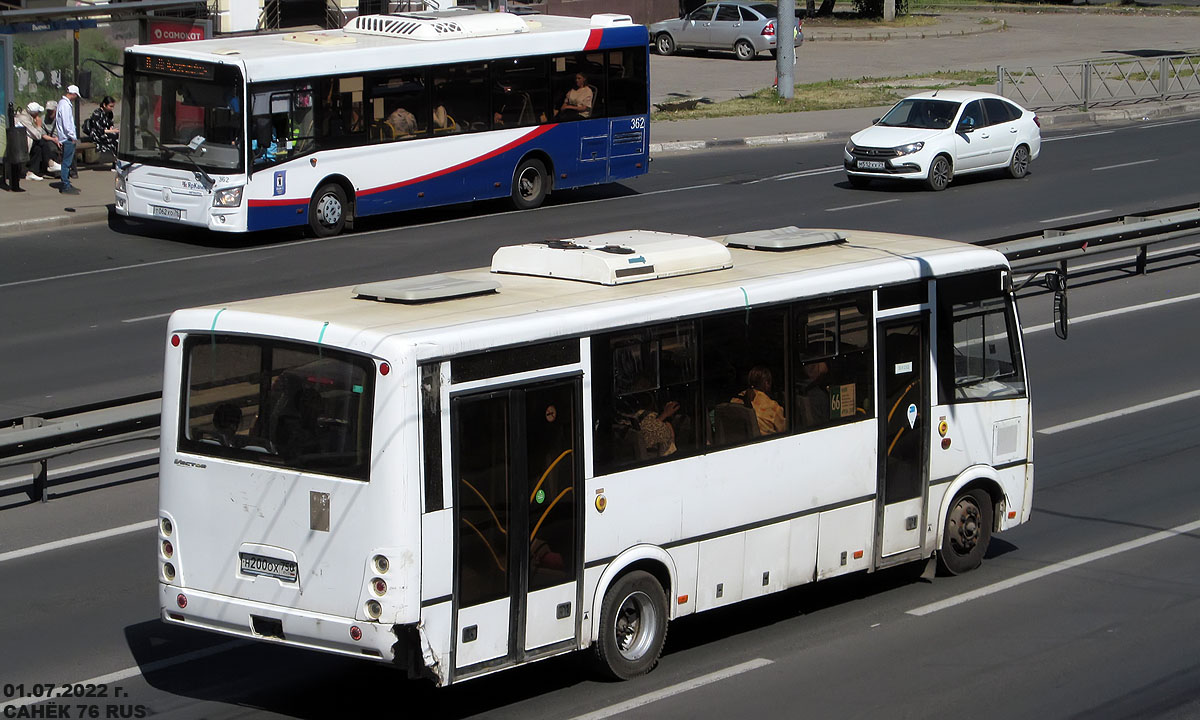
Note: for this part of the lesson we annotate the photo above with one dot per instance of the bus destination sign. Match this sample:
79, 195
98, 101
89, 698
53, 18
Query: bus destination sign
176, 67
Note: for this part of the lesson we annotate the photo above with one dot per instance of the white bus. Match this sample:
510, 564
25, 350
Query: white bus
390, 113
464, 472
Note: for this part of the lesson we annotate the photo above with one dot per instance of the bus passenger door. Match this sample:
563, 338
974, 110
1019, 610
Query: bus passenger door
517, 479
630, 139
903, 435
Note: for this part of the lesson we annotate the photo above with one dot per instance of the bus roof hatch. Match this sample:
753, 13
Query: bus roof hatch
614, 258
437, 25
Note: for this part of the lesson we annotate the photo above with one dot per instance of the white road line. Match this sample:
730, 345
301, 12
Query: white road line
1118, 311
1080, 215
798, 174
122, 675
1080, 135
147, 317
1166, 124
862, 205
1055, 568
674, 690
1128, 164
79, 540
1120, 413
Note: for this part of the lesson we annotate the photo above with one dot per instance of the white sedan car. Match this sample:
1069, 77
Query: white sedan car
935, 135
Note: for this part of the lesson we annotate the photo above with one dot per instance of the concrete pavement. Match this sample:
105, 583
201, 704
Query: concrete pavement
958, 41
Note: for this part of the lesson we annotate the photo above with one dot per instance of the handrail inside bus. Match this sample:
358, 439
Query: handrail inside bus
546, 512
491, 550
486, 504
542, 479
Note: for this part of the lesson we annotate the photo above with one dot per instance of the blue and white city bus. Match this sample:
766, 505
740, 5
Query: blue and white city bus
389, 113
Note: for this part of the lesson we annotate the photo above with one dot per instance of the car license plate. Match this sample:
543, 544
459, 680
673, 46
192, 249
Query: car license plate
167, 212
871, 165
252, 564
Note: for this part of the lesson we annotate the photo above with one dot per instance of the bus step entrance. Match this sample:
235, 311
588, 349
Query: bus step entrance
267, 627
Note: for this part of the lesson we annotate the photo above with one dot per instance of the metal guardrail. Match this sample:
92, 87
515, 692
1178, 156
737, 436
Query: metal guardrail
37, 440
1090, 83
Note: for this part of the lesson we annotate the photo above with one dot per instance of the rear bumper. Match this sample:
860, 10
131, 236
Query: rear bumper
314, 631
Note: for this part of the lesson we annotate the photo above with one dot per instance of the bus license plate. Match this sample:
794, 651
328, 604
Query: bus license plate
167, 212
871, 165
284, 570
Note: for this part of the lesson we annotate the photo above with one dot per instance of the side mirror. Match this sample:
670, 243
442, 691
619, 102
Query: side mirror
1057, 281
876, 121
966, 126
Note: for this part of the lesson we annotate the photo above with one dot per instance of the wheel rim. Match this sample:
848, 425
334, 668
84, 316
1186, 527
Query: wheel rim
939, 175
636, 626
1020, 163
744, 51
964, 525
529, 183
329, 210
664, 45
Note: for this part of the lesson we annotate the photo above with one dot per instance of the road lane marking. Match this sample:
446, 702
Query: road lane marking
147, 317
1080, 135
78, 540
124, 675
1056, 568
682, 687
1118, 311
1128, 164
862, 205
798, 174
1080, 215
1120, 413
1166, 124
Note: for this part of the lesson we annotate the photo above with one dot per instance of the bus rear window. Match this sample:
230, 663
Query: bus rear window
296, 406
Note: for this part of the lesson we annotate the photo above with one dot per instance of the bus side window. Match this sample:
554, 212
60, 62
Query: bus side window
832, 371
744, 376
978, 357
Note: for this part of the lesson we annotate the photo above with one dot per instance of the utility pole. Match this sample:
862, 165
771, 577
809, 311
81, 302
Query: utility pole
785, 49
889, 10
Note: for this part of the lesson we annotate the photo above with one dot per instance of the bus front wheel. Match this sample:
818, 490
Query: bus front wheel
327, 211
530, 184
967, 533
633, 626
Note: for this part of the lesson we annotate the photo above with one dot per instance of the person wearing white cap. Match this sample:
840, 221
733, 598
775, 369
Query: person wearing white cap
41, 142
64, 126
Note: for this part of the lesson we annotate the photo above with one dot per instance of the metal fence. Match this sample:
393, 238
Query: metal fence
1093, 83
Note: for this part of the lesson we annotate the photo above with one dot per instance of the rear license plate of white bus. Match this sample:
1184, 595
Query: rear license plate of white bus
251, 564
870, 165
167, 212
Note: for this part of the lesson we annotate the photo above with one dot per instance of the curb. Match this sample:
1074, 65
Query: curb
904, 34
79, 217
757, 141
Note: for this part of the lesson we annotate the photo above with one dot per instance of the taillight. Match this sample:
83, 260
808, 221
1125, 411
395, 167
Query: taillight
379, 586
1036, 121
181, 600
769, 29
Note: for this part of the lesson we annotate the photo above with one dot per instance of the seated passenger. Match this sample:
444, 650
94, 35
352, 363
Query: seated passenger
442, 121
814, 394
402, 122
770, 414
578, 103
656, 436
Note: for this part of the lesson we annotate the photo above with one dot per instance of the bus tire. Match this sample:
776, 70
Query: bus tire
633, 626
967, 532
327, 210
530, 185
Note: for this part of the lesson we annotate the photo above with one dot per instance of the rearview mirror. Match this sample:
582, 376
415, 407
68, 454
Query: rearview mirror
1057, 281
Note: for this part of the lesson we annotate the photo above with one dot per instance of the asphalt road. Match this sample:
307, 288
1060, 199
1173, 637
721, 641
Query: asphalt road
1099, 630
89, 308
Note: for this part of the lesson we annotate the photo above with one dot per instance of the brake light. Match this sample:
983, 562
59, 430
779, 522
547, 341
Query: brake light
769, 29
1036, 121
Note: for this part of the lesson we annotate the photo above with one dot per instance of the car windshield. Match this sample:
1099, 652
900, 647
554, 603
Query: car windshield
921, 113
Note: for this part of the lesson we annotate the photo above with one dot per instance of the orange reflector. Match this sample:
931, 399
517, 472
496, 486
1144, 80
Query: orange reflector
683, 599
858, 554
1012, 514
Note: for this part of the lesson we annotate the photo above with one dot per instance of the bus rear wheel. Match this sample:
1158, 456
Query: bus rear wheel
327, 210
967, 533
633, 626
530, 184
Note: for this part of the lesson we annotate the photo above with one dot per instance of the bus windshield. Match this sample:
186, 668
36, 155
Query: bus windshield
172, 110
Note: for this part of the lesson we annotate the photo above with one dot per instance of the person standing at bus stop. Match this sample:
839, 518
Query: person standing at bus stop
64, 127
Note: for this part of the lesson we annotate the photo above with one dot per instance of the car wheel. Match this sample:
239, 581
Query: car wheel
744, 50
1018, 167
858, 181
327, 210
530, 184
774, 54
665, 44
940, 173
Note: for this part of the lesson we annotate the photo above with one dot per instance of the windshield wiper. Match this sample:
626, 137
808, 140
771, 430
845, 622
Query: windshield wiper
196, 143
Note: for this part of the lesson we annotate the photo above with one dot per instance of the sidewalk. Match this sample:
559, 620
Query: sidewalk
959, 41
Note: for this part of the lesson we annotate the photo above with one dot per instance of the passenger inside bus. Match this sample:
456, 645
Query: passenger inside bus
768, 413
579, 100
